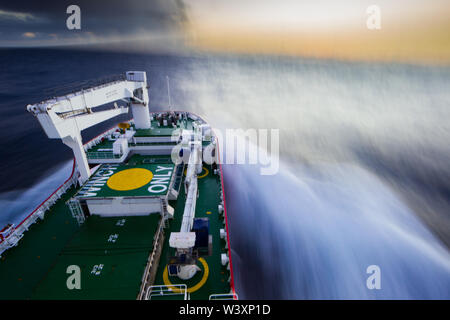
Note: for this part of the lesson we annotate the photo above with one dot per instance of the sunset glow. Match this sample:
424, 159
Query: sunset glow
410, 30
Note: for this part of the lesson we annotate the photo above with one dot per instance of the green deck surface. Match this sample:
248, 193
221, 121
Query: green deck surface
23, 266
123, 260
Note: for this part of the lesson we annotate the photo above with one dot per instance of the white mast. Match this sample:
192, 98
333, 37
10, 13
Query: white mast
168, 93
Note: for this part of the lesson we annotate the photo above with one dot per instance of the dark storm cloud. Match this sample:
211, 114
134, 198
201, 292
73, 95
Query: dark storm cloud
23, 22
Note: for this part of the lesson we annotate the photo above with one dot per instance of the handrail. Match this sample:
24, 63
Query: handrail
226, 219
181, 289
69, 88
224, 296
6, 232
93, 155
152, 257
102, 134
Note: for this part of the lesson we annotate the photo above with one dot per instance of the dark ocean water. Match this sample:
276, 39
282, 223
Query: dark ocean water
364, 162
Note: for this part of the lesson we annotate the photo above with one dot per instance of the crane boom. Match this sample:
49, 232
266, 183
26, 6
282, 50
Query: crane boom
64, 117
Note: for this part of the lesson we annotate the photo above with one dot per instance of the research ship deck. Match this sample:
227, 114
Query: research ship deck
121, 256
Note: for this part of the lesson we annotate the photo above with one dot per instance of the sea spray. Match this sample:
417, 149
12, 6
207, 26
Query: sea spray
309, 235
17, 205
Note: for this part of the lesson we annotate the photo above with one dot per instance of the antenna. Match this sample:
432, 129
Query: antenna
168, 93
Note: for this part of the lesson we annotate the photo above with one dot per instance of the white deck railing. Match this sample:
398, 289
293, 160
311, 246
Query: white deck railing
157, 245
164, 291
11, 237
224, 296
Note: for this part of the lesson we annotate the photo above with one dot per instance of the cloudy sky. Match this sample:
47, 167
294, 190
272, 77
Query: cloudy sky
43, 22
411, 30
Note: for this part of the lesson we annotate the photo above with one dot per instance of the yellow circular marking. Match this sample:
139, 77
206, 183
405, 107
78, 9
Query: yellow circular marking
208, 212
191, 289
129, 179
205, 174
200, 176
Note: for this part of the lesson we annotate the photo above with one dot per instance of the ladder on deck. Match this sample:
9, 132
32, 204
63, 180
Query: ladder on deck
77, 211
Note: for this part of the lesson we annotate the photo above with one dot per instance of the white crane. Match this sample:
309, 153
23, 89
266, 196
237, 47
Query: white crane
64, 117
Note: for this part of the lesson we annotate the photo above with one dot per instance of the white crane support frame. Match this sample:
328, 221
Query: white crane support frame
64, 117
